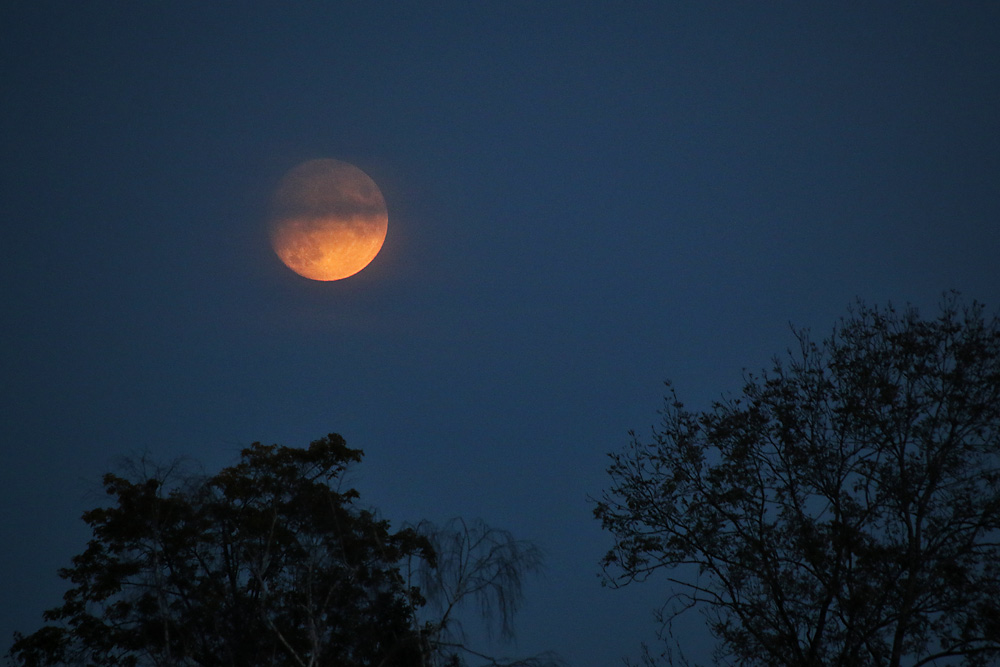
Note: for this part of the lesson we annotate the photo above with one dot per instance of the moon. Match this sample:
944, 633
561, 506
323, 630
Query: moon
328, 220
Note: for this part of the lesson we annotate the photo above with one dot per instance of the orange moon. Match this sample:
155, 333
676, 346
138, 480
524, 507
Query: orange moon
328, 220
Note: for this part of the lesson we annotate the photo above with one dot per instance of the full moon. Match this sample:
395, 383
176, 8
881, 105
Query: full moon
328, 220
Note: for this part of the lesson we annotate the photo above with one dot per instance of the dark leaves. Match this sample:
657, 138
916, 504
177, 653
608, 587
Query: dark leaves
266, 563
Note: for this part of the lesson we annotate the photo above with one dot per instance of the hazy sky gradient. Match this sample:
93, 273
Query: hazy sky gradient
585, 199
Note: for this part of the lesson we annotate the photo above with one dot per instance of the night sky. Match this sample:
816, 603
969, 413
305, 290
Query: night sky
585, 199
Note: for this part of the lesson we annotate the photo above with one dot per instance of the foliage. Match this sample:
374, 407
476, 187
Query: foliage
844, 510
266, 563
270, 563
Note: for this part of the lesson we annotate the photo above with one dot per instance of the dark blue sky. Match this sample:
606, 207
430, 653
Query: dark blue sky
585, 199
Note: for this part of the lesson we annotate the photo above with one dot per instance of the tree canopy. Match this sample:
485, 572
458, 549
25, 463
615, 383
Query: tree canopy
843, 510
269, 562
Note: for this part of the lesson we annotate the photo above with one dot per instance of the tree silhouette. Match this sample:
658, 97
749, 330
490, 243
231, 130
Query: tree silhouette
268, 562
478, 566
844, 510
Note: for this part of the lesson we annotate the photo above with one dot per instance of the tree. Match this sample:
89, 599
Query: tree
265, 563
844, 510
479, 566
270, 563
